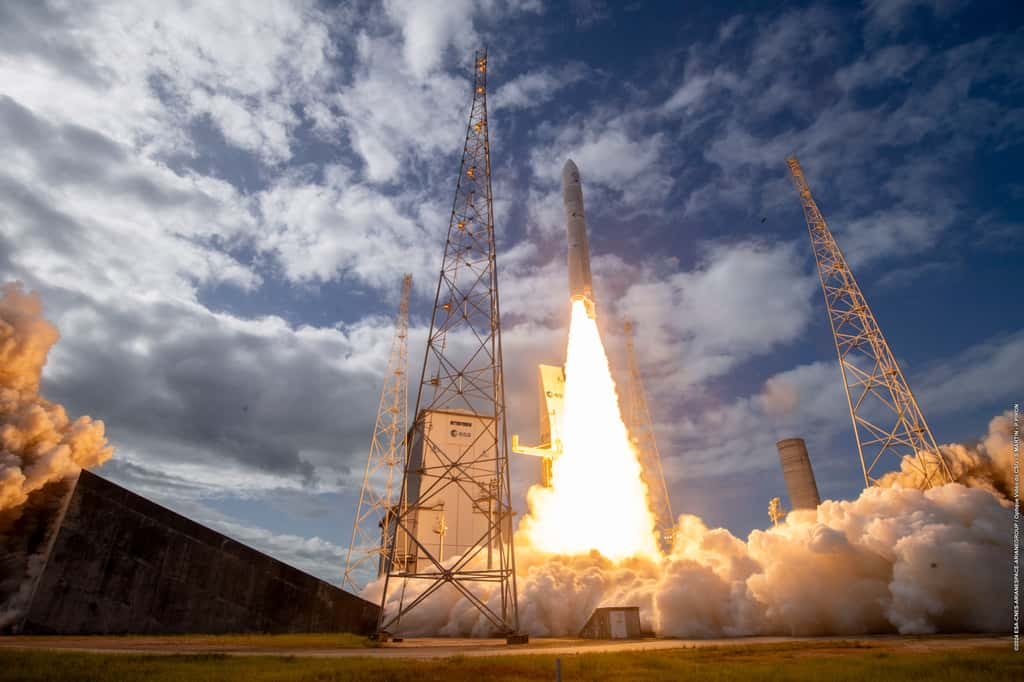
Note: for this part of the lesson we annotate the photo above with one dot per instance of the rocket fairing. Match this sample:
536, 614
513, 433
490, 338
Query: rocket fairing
581, 286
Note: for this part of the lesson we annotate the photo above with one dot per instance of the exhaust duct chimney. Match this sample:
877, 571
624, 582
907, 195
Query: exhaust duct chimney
796, 468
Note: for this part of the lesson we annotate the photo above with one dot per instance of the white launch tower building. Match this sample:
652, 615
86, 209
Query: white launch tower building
460, 513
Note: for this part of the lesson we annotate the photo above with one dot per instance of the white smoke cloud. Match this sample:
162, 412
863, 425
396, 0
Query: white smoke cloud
39, 444
987, 465
893, 560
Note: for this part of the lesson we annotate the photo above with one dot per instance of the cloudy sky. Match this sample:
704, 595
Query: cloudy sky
217, 202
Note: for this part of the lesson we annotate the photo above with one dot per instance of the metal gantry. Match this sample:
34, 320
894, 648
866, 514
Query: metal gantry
887, 421
641, 429
775, 511
462, 374
377, 500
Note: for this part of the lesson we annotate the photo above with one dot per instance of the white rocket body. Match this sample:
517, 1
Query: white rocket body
581, 287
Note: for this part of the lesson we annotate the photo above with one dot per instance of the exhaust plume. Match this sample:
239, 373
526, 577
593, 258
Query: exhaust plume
597, 499
896, 559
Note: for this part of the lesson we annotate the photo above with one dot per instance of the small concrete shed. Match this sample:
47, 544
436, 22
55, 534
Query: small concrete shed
613, 622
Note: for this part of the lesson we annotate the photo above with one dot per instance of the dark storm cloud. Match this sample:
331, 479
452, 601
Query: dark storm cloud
179, 383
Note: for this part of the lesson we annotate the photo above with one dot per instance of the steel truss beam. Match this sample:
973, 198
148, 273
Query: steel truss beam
462, 372
368, 545
887, 421
641, 429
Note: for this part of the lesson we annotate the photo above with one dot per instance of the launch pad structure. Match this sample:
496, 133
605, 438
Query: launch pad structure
369, 544
641, 430
887, 421
462, 380
551, 382
635, 410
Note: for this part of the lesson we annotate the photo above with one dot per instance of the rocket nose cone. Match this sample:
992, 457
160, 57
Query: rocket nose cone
570, 174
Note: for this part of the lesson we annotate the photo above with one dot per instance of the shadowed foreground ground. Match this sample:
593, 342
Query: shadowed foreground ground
300, 657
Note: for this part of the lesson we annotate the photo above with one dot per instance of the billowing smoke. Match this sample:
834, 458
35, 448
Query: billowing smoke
41, 449
987, 464
893, 560
38, 443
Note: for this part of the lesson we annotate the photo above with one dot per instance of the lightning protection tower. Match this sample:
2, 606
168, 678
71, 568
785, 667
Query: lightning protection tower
456, 506
641, 428
887, 422
368, 546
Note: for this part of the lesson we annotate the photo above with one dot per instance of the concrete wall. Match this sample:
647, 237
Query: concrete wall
122, 564
26, 534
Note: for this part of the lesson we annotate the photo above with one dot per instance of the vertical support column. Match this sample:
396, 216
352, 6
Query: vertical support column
370, 536
462, 375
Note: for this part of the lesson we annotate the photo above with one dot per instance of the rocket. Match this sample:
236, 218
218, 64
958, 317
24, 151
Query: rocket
581, 287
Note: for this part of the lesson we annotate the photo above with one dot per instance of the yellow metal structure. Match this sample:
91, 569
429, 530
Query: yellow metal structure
387, 450
887, 421
552, 395
641, 430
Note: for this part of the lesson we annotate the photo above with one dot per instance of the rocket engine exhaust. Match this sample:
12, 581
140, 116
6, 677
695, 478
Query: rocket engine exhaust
581, 286
896, 559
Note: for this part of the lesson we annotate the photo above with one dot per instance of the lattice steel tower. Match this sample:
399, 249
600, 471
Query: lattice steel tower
641, 429
462, 380
887, 421
368, 546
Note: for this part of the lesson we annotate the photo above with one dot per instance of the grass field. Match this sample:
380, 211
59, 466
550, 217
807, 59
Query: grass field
772, 662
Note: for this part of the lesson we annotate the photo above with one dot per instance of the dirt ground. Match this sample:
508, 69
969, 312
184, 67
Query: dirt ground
434, 648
